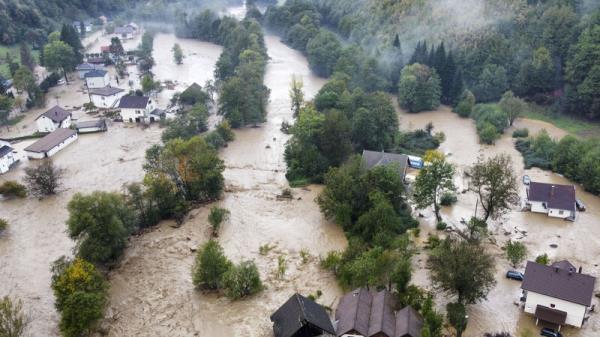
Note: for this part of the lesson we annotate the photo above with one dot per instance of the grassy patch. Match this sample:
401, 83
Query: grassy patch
14, 50
570, 124
16, 120
299, 182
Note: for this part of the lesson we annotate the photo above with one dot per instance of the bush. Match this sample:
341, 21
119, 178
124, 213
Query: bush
210, 266
242, 280
542, 259
43, 179
448, 199
521, 133
216, 217
3, 224
12, 189
488, 133
440, 226
12, 320
515, 252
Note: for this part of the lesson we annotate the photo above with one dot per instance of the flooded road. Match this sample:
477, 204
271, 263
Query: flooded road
578, 241
152, 292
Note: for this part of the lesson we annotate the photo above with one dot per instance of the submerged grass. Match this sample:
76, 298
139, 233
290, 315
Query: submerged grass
573, 125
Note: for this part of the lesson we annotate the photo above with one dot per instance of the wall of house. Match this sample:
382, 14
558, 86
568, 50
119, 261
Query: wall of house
106, 101
7, 161
97, 82
538, 207
559, 213
129, 115
45, 124
575, 312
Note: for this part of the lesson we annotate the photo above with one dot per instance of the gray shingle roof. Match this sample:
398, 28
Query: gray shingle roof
97, 123
56, 114
106, 91
297, 313
408, 323
95, 73
85, 66
51, 140
4, 150
556, 196
560, 283
133, 102
124, 30
372, 159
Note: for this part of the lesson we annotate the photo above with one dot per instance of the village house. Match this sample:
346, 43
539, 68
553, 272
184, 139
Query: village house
137, 109
106, 97
8, 156
53, 119
125, 32
364, 313
51, 144
87, 26
301, 317
555, 200
85, 68
373, 158
96, 125
97, 79
557, 294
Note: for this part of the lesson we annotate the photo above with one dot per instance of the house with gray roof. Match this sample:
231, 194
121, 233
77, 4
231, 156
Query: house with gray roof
367, 313
8, 157
373, 159
557, 201
50, 144
54, 118
558, 294
301, 317
137, 109
97, 78
106, 97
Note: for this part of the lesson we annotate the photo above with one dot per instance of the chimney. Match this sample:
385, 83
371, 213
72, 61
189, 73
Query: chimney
580, 269
556, 269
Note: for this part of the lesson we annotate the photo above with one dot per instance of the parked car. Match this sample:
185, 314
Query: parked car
526, 180
515, 275
580, 205
550, 333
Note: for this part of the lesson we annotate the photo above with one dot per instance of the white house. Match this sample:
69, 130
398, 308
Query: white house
106, 97
137, 109
8, 157
555, 200
85, 68
51, 144
97, 79
53, 119
557, 294
125, 32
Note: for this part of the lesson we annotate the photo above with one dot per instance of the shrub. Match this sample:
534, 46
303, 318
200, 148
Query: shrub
3, 224
515, 252
521, 133
487, 133
242, 280
210, 266
12, 320
332, 261
440, 226
215, 140
448, 199
43, 179
542, 259
12, 189
216, 217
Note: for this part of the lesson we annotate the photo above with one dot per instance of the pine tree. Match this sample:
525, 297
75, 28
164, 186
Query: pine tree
431, 58
397, 41
70, 36
415, 55
457, 87
26, 57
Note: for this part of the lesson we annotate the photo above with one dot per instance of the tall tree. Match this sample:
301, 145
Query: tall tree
419, 88
462, 268
512, 106
70, 36
60, 56
177, 53
23, 79
13, 321
116, 47
26, 57
456, 314
43, 179
210, 266
433, 180
296, 95
495, 183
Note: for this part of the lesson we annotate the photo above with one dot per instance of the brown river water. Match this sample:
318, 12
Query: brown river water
151, 291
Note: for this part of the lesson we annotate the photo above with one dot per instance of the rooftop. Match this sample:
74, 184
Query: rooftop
51, 140
91, 124
85, 66
4, 150
106, 91
558, 282
95, 73
374, 158
134, 102
556, 196
300, 312
56, 114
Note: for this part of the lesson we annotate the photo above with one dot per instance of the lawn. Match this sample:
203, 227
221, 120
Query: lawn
573, 125
14, 50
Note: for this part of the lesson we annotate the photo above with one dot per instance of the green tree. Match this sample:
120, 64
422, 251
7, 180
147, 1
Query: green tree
512, 106
6, 106
80, 293
462, 268
537, 76
375, 125
26, 58
216, 216
43, 179
559, 24
70, 36
491, 83
23, 79
100, 222
242, 280
177, 53
466, 104
495, 183
582, 74
456, 314
419, 88
210, 266
148, 84
515, 252
296, 95
59, 56
323, 51
12, 189
164, 196
13, 321
433, 180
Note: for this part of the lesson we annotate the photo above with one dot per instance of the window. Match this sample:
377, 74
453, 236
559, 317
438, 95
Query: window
552, 305
561, 212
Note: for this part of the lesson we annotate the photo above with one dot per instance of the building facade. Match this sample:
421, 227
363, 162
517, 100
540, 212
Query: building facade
8, 157
106, 97
53, 119
136, 109
97, 79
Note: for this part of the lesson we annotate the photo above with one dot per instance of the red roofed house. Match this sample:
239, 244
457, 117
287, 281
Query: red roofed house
557, 294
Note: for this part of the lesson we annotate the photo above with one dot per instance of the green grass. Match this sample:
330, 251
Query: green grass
14, 50
573, 125
16, 120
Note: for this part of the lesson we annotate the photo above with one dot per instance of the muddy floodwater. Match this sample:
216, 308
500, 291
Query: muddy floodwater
578, 241
152, 292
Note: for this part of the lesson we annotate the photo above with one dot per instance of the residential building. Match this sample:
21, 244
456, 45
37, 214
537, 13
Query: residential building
136, 109
555, 200
557, 294
97, 79
106, 97
373, 158
87, 26
51, 144
364, 313
53, 119
125, 32
96, 125
8, 157
301, 317
96, 60
85, 68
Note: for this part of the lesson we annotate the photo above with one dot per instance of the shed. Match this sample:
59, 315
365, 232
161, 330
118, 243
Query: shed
51, 144
97, 125
301, 317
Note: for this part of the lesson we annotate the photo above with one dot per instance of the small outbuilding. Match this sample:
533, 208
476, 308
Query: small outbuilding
301, 317
97, 79
557, 201
106, 97
372, 159
96, 125
51, 144
8, 157
53, 119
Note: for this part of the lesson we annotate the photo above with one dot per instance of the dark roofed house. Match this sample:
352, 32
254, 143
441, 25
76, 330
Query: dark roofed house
555, 200
373, 158
369, 313
192, 95
106, 97
54, 118
559, 294
136, 109
301, 317
51, 143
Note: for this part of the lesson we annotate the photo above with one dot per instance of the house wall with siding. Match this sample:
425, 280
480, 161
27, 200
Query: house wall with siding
538, 207
52, 151
575, 312
6, 162
129, 115
45, 124
97, 82
106, 101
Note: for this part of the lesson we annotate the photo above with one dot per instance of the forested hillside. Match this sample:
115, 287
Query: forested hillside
32, 20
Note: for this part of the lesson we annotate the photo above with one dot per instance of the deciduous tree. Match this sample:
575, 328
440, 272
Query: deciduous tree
495, 183
43, 179
433, 180
210, 266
